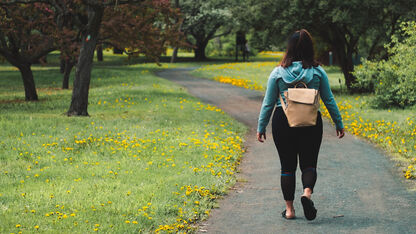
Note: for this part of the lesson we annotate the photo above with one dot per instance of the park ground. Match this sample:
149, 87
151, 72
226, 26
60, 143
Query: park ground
393, 130
150, 154
151, 157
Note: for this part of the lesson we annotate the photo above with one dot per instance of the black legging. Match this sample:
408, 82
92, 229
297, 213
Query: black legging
291, 141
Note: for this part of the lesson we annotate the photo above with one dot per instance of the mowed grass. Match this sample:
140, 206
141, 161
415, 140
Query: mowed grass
392, 129
150, 157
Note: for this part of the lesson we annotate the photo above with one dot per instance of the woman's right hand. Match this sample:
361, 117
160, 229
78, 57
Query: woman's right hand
340, 133
259, 135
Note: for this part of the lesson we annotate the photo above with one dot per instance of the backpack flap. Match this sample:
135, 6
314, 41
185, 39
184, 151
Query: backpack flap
302, 95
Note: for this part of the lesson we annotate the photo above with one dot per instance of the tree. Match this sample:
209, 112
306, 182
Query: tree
142, 29
393, 80
344, 25
68, 39
129, 19
151, 18
26, 35
203, 19
59, 34
175, 49
134, 27
99, 49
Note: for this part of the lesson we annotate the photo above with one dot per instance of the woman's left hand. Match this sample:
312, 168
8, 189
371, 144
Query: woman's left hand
259, 135
340, 133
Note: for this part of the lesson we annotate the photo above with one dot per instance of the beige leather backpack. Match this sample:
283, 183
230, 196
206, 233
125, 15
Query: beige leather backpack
302, 105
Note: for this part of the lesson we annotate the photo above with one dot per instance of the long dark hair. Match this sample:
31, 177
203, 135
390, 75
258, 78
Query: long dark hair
300, 48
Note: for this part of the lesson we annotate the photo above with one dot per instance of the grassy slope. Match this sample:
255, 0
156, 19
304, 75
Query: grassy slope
149, 155
394, 130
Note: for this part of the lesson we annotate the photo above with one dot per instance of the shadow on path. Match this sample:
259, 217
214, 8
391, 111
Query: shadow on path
355, 180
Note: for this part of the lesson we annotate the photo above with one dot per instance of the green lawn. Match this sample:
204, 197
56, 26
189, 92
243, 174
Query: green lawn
150, 157
258, 72
393, 129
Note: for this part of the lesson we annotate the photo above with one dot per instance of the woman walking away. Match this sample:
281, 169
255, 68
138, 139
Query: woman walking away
298, 65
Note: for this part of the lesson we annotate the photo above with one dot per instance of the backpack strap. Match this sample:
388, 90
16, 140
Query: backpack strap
302, 83
282, 102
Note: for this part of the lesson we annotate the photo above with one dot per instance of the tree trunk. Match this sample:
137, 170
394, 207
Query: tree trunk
219, 45
100, 52
345, 61
62, 66
79, 102
28, 82
200, 50
174, 55
175, 50
347, 67
69, 64
236, 52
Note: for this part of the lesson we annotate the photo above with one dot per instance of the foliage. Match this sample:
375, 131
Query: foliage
146, 28
393, 80
202, 20
37, 27
152, 158
26, 32
343, 25
367, 74
26, 35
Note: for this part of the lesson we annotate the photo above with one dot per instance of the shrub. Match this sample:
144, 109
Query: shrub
393, 81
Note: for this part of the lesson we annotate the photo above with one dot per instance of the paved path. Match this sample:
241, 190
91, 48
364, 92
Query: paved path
355, 179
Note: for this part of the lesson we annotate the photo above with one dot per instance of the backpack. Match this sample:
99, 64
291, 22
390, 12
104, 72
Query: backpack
302, 105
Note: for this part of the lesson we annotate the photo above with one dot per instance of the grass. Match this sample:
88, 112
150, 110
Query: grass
256, 73
150, 157
394, 130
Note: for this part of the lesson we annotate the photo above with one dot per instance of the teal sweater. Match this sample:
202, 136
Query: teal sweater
279, 81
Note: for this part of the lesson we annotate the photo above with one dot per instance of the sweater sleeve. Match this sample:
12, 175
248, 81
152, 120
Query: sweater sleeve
329, 101
269, 101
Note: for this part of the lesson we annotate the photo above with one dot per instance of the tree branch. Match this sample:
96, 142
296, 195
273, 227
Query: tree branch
222, 34
115, 46
42, 53
9, 57
109, 2
12, 2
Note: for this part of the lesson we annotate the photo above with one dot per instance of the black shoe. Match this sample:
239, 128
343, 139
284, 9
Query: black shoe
284, 215
308, 208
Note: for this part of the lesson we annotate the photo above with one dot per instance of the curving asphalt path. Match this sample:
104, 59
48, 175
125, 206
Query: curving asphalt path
358, 188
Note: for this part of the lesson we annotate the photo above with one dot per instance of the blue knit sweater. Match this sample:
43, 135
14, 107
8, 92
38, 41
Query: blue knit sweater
282, 78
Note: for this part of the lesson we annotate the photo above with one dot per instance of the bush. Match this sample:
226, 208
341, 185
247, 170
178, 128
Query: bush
393, 81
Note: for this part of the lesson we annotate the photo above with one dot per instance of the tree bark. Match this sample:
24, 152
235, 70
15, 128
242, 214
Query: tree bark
236, 52
67, 72
175, 50
345, 61
347, 67
79, 102
200, 50
219, 44
174, 55
28, 82
62, 66
100, 57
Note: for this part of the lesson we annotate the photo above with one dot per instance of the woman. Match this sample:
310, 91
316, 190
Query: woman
297, 65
